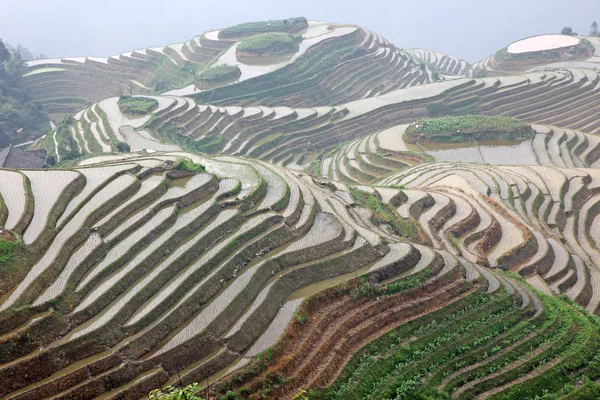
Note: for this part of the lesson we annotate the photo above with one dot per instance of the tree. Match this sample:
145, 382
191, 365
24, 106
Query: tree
594, 29
4, 140
123, 147
24, 52
4, 52
567, 30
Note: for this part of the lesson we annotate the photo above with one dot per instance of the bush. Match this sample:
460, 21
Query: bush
278, 25
122, 147
270, 44
137, 105
188, 166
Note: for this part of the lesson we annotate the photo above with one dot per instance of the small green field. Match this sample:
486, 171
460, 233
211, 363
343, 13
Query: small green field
269, 44
276, 25
188, 166
219, 73
137, 105
464, 128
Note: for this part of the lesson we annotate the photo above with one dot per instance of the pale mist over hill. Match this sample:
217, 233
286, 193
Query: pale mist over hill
468, 29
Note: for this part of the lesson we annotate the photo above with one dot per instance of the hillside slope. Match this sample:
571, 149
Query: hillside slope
329, 67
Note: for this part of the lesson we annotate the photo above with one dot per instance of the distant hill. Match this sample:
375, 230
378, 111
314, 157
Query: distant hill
330, 64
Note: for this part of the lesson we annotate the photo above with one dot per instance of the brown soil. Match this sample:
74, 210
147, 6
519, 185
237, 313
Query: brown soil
313, 354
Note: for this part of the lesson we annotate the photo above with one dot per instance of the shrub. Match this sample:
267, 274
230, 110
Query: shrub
122, 147
137, 105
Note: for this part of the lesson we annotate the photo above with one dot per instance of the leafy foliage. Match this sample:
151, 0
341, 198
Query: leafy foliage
278, 25
17, 109
137, 105
122, 147
271, 44
67, 147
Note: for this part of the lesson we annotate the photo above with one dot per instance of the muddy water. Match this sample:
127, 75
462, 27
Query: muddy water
264, 61
498, 152
298, 295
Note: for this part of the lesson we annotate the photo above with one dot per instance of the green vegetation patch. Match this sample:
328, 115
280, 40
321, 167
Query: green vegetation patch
466, 128
6, 251
219, 73
386, 214
137, 105
269, 44
276, 25
122, 147
188, 166
20, 117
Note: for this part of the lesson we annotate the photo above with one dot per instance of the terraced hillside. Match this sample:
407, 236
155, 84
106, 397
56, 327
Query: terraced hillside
138, 271
369, 159
447, 66
304, 226
298, 136
330, 67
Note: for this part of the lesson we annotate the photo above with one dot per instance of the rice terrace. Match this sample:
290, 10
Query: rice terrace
299, 209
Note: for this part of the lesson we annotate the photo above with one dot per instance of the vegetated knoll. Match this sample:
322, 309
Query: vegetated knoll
137, 105
268, 44
466, 128
217, 75
252, 28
